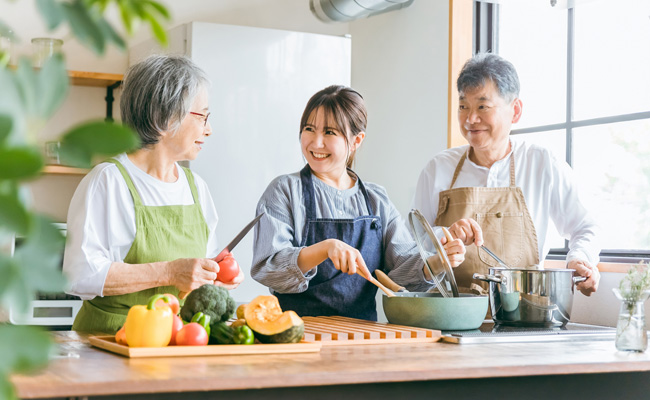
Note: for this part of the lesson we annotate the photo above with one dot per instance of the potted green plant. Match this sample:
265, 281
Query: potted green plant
28, 99
633, 291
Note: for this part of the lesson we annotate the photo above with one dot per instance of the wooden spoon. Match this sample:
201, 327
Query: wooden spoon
447, 234
375, 282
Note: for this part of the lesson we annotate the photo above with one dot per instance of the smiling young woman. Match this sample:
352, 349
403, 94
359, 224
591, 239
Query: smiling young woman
323, 225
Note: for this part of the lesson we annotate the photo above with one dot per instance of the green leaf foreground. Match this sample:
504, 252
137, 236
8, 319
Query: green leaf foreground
28, 99
13, 214
20, 163
89, 141
52, 12
6, 125
23, 349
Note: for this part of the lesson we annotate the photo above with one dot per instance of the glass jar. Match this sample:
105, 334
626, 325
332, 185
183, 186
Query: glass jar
44, 48
631, 333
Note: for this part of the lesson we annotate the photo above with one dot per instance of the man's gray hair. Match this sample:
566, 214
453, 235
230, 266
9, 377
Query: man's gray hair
158, 93
484, 67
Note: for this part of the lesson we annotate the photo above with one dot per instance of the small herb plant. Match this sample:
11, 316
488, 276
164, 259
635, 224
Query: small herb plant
635, 283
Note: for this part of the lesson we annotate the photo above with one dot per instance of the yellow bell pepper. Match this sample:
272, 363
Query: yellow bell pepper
148, 326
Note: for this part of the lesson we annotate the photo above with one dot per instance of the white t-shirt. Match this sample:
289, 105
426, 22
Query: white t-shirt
547, 184
101, 220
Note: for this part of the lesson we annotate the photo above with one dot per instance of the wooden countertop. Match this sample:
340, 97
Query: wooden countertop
83, 370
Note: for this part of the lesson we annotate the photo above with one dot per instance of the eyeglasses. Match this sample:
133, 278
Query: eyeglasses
205, 122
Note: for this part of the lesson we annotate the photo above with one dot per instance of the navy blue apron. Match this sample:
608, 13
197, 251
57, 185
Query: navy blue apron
330, 291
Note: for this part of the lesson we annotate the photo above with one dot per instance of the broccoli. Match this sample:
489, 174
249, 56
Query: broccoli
211, 300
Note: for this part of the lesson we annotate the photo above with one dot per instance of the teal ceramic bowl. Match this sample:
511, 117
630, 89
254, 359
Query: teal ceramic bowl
431, 310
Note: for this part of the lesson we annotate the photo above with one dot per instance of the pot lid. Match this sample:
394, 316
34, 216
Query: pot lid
433, 254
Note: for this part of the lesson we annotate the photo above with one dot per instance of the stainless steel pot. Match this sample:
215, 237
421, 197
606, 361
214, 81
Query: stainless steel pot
529, 297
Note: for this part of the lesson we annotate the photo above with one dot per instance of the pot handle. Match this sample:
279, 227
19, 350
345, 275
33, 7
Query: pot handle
490, 278
578, 279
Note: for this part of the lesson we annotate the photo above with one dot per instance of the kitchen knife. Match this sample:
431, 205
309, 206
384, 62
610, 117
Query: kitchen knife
231, 245
239, 236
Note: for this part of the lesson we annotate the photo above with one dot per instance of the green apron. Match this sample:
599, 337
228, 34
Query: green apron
162, 233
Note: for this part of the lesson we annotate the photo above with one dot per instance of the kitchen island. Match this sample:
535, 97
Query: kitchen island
591, 370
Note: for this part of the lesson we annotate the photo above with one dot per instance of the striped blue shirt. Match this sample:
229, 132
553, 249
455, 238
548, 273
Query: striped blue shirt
279, 233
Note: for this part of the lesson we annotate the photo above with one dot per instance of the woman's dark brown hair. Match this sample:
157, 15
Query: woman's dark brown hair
342, 104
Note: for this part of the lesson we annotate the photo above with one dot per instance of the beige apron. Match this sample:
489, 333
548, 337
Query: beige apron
508, 229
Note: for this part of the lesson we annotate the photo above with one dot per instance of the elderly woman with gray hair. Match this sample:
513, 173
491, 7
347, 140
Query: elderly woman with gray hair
501, 191
140, 224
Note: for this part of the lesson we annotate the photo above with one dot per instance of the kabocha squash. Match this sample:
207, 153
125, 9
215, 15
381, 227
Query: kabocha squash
270, 325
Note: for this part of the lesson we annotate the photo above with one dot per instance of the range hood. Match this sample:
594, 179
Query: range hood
349, 10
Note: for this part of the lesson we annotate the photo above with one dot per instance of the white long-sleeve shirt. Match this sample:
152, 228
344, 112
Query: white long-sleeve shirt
547, 184
101, 220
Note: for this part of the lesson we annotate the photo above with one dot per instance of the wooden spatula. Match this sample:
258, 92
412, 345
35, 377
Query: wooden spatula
375, 282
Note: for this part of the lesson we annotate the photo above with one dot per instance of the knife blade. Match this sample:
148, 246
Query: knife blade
239, 236
231, 245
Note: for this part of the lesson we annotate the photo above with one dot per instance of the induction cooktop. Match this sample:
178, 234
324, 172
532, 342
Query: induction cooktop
491, 333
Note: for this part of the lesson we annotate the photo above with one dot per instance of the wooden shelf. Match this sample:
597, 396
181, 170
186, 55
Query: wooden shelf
64, 170
95, 79
92, 79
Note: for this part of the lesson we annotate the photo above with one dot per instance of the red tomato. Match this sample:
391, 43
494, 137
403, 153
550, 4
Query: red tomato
192, 334
177, 325
120, 336
173, 303
228, 269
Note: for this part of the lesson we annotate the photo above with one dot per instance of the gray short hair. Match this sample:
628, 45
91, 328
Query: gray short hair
484, 67
158, 93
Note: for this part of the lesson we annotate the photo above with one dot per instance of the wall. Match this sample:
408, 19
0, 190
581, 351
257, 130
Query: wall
399, 65
51, 194
602, 307
405, 128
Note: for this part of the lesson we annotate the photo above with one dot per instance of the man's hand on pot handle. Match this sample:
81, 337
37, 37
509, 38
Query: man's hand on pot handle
584, 269
468, 231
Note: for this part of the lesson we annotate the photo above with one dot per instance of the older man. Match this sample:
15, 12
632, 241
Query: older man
500, 191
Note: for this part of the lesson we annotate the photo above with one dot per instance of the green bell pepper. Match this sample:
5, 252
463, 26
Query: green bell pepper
243, 335
225, 334
203, 320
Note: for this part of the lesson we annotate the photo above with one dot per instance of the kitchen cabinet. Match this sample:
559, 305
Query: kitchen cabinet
92, 79
558, 370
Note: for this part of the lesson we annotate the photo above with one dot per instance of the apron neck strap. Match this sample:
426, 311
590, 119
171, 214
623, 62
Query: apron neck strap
129, 183
459, 167
512, 169
364, 191
464, 157
308, 192
190, 180
134, 192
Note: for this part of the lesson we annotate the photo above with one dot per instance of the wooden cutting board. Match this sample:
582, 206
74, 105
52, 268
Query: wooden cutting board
318, 331
108, 343
351, 331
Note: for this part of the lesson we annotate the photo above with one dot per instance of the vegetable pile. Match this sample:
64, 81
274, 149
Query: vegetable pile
204, 318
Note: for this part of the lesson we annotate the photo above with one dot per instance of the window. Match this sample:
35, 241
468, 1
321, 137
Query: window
585, 87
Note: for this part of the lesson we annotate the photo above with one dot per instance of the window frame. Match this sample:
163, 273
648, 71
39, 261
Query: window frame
486, 38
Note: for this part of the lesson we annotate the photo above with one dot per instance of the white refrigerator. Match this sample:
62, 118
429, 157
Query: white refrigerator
261, 81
